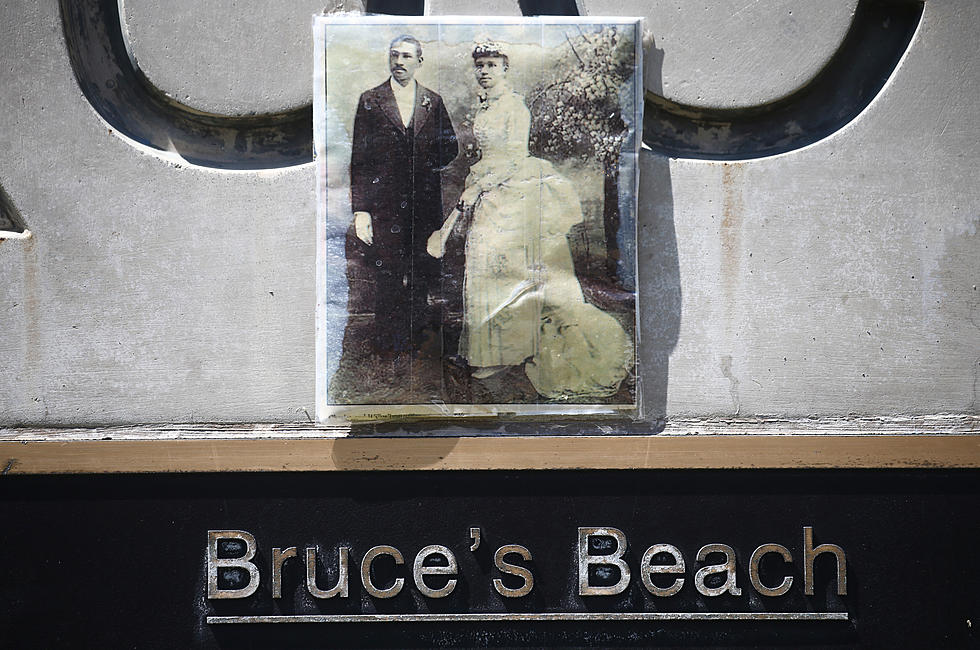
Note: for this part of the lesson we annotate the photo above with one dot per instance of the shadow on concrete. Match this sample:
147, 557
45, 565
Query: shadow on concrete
10, 219
659, 281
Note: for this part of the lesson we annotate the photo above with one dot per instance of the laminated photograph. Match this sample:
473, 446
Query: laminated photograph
477, 183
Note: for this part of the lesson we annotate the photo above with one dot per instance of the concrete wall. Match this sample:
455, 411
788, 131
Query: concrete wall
835, 279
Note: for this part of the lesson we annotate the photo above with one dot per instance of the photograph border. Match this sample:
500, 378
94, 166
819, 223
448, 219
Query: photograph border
327, 412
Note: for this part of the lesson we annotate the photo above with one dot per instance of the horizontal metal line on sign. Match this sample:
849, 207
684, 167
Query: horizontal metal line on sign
543, 616
491, 453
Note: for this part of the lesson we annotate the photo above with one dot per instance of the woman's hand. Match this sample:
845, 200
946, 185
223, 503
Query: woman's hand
469, 196
436, 244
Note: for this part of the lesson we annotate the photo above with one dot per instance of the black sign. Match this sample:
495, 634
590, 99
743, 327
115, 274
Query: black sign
500, 559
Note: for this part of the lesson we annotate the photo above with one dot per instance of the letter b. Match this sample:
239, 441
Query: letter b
244, 561
615, 558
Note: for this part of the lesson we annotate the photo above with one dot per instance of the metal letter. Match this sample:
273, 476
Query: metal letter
728, 567
754, 570
396, 586
647, 569
421, 571
475, 536
514, 570
339, 588
279, 556
810, 554
612, 559
243, 562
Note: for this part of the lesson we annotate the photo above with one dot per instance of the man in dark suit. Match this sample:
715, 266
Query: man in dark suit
402, 139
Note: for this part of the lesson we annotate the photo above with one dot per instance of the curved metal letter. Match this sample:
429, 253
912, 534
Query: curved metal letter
134, 107
879, 36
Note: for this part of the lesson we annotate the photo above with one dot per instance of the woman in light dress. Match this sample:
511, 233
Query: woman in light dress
522, 303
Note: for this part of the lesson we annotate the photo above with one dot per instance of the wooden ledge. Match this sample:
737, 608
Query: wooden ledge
758, 451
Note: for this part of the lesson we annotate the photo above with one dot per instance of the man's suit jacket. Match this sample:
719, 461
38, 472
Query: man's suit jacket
394, 172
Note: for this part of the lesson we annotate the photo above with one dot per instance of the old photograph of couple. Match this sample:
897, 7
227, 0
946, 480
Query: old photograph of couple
477, 216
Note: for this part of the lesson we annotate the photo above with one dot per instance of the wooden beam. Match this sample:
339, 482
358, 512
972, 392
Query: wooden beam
490, 453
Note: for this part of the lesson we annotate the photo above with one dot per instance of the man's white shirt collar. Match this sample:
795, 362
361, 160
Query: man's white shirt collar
404, 98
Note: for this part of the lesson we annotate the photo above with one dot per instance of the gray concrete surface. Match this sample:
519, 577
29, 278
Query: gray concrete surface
469, 8
720, 67
833, 280
225, 56
736, 53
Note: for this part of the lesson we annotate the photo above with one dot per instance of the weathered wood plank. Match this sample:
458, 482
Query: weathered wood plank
942, 423
484, 453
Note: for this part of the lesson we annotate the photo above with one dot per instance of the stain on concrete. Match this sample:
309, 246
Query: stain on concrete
32, 306
726, 370
957, 299
733, 210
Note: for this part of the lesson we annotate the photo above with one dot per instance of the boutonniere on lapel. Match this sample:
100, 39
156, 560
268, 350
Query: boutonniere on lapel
426, 102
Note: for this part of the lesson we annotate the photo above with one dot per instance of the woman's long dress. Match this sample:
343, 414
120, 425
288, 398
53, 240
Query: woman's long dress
522, 301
